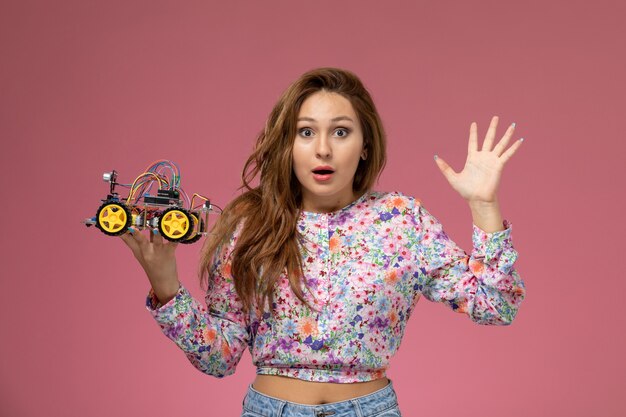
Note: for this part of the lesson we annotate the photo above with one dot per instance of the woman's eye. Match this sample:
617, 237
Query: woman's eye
344, 132
304, 132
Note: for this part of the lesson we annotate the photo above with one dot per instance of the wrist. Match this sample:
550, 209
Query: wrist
484, 205
486, 216
165, 293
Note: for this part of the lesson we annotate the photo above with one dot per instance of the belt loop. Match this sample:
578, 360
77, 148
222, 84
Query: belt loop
357, 408
279, 411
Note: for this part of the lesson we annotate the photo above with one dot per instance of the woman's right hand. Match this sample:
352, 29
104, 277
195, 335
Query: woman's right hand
157, 257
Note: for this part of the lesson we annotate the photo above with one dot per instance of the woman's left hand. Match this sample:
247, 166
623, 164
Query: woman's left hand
479, 180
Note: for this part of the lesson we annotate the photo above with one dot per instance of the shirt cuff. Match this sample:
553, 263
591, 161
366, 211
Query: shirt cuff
153, 304
490, 245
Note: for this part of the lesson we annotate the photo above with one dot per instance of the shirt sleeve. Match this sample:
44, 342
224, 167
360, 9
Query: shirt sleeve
484, 285
214, 336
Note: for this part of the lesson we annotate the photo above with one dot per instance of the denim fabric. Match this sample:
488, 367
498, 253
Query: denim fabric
381, 403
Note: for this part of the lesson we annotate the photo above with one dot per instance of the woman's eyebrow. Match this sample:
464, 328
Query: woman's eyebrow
336, 119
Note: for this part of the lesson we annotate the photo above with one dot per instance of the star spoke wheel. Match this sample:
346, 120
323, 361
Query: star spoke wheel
175, 224
198, 228
113, 218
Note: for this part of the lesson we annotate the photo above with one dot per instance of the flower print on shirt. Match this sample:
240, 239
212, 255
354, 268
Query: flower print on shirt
367, 266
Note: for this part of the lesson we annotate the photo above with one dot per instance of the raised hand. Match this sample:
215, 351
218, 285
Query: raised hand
478, 181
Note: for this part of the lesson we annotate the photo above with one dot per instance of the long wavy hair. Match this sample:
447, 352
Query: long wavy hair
269, 243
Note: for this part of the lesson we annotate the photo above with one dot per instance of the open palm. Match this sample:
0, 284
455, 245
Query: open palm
479, 180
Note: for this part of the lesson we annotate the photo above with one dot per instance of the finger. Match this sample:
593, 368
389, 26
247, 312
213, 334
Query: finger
472, 145
172, 246
511, 151
155, 237
499, 148
491, 134
445, 169
137, 236
129, 241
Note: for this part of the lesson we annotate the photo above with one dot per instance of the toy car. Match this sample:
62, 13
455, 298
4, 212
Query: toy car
164, 211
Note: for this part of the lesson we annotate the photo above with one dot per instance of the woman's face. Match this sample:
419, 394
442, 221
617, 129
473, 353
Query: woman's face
328, 136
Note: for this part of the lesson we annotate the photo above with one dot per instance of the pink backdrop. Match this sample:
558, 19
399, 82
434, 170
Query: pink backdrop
87, 87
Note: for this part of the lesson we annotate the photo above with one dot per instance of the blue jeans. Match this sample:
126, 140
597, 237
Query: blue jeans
381, 403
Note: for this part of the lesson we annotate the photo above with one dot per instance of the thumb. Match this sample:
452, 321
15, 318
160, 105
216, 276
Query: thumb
445, 169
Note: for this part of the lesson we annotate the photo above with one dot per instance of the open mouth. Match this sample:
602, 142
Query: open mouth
323, 174
323, 171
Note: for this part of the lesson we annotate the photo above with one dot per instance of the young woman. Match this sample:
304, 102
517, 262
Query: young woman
316, 273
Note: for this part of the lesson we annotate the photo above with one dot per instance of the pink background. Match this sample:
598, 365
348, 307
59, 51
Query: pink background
87, 87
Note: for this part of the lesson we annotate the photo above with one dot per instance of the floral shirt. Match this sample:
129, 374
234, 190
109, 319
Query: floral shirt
366, 265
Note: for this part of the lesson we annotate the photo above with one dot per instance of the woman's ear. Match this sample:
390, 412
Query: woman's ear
364, 154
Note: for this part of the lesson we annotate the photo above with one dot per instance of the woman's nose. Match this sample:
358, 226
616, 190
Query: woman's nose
322, 149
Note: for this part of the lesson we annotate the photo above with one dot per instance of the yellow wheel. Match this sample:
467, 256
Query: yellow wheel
197, 229
175, 224
113, 218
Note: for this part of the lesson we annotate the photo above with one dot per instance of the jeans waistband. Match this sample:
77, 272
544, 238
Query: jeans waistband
366, 405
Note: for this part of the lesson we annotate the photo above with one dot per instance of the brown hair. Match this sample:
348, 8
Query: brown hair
269, 239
